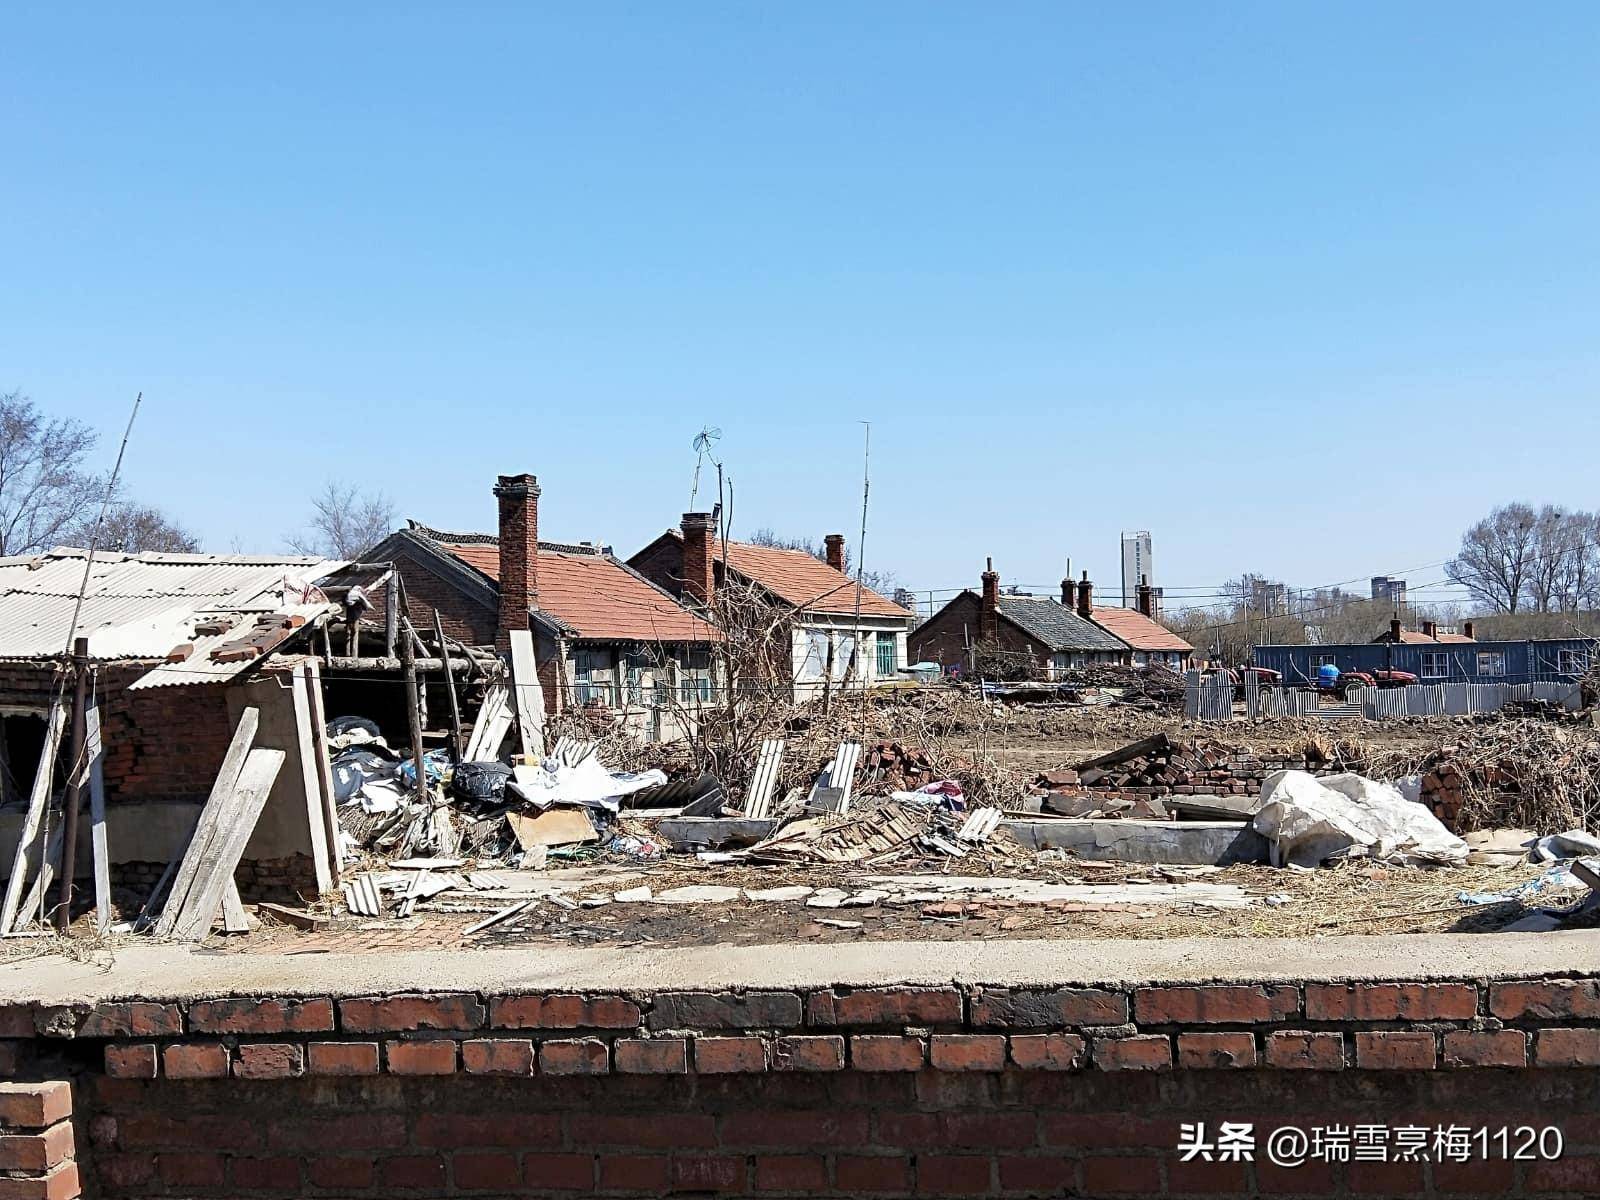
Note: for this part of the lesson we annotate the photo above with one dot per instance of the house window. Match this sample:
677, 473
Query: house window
886, 656
815, 663
639, 669
841, 655
1491, 662
694, 677
1572, 662
592, 677
1323, 660
1435, 664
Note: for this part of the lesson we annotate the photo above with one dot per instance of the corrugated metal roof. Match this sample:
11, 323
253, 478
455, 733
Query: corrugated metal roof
136, 605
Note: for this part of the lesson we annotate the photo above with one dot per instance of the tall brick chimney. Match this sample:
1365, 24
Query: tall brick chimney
1394, 630
699, 559
1069, 592
1085, 597
519, 553
1430, 629
834, 543
1147, 597
989, 610
1466, 629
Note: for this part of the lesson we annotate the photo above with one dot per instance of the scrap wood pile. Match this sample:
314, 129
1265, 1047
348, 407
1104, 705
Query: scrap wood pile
1521, 774
893, 831
1151, 686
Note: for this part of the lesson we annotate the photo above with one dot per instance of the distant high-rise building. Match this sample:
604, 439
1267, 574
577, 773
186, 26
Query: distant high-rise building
1138, 566
1388, 589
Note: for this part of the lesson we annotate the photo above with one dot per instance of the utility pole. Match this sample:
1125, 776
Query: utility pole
76, 769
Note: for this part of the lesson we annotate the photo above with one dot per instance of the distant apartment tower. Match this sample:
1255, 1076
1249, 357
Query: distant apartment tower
1138, 566
1389, 589
1267, 597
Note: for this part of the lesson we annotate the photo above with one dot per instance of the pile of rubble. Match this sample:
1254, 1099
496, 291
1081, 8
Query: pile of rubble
1519, 774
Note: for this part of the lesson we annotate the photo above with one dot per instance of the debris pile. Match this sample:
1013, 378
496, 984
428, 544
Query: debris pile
1523, 774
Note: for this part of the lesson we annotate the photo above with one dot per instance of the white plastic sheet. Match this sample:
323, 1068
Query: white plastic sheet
1310, 820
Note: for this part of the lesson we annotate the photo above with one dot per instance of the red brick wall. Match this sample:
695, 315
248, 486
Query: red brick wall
464, 619
662, 564
944, 639
847, 1092
160, 743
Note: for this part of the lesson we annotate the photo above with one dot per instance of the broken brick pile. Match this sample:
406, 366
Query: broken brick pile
892, 1091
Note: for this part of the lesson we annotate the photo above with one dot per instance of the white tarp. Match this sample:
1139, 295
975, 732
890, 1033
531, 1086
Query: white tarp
588, 783
1309, 820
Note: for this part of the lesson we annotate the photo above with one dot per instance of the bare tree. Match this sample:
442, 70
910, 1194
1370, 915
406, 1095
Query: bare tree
1496, 560
135, 528
345, 522
44, 489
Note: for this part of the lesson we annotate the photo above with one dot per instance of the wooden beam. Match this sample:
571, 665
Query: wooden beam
22, 865
244, 734
219, 859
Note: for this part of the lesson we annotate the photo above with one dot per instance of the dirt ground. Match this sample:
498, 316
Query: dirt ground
1351, 898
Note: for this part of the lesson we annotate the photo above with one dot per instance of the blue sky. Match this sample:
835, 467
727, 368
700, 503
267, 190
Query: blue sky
1302, 290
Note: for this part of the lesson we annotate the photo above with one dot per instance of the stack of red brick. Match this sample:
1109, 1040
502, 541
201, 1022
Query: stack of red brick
38, 1157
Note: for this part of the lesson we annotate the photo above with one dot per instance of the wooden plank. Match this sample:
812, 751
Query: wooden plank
227, 779
98, 841
494, 720
505, 914
237, 821
32, 908
765, 779
319, 737
554, 827
233, 915
844, 773
529, 694
305, 745
22, 865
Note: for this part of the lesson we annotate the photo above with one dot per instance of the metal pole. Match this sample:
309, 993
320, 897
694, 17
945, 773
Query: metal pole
75, 772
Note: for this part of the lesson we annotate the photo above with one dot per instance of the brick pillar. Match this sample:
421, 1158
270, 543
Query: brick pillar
835, 551
519, 553
989, 612
1085, 597
37, 1154
699, 559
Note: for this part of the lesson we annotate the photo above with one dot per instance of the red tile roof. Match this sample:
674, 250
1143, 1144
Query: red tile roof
597, 597
1138, 630
805, 581
1455, 637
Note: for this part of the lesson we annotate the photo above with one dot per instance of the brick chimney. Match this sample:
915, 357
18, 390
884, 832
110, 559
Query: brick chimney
699, 581
519, 553
834, 543
1085, 597
989, 610
1430, 629
1147, 597
1394, 630
1466, 629
1069, 593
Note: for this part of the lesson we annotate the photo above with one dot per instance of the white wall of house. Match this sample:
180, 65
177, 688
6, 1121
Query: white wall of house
813, 639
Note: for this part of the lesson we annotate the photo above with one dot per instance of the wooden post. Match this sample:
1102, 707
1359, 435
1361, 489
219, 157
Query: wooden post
408, 665
75, 773
449, 689
391, 612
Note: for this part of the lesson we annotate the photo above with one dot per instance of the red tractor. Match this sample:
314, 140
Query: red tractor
1349, 680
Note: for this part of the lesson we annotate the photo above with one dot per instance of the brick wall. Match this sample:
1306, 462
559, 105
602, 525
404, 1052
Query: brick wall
890, 1092
160, 743
463, 617
38, 1144
946, 637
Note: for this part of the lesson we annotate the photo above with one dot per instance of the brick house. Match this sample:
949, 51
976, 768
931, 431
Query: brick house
167, 699
1046, 635
1148, 640
819, 600
604, 635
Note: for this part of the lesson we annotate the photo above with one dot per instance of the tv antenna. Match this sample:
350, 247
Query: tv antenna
708, 437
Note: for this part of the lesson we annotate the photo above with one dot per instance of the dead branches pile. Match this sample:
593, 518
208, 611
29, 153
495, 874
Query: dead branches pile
1516, 774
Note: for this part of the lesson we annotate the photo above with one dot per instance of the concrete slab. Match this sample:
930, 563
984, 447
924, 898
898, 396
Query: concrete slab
172, 972
1180, 843
712, 832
